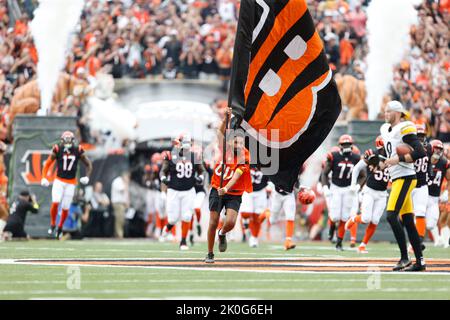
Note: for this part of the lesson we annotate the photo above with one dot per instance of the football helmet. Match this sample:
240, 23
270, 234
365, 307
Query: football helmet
68, 139
346, 143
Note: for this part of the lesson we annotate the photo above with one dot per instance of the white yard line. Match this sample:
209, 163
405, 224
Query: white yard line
253, 281
228, 269
224, 290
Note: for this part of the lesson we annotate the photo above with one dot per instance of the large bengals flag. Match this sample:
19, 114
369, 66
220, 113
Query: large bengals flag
281, 80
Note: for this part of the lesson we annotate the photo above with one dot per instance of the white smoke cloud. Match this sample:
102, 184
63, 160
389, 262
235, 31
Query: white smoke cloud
388, 26
51, 28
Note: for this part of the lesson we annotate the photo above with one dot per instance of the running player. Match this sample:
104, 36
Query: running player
440, 169
66, 154
228, 194
178, 174
395, 132
420, 192
374, 193
151, 182
340, 164
255, 203
282, 200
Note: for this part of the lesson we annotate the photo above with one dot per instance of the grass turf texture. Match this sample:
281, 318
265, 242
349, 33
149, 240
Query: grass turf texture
40, 281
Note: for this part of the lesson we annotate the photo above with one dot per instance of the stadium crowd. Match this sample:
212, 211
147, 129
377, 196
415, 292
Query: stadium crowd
173, 39
193, 39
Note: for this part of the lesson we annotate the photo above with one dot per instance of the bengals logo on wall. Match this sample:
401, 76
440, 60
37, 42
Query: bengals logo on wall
34, 163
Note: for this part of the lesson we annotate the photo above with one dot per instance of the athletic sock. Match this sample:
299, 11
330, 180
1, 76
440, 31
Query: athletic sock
332, 228
169, 226
435, 235
289, 229
185, 229
191, 224
445, 234
256, 225
370, 230
198, 214
353, 232
421, 226
399, 234
341, 229
2, 225
64, 214
414, 239
53, 213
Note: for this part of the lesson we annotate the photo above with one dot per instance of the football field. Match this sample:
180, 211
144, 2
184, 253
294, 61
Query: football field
135, 269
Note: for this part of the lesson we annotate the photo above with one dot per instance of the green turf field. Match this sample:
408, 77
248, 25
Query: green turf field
22, 281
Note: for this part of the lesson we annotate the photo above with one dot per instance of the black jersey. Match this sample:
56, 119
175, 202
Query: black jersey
259, 180
342, 167
421, 166
199, 187
376, 179
19, 210
67, 160
181, 173
438, 172
151, 182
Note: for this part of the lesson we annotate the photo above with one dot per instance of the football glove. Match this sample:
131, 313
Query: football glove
44, 182
84, 180
444, 196
355, 188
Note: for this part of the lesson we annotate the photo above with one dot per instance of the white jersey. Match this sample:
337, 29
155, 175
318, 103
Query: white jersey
392, 137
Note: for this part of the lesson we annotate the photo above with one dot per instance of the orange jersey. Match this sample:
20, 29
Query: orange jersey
235, 163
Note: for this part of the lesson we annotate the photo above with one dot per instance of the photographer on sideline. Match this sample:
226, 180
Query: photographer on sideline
18, 214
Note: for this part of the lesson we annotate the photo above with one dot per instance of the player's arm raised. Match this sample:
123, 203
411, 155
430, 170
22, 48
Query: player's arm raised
88, 164
222, 128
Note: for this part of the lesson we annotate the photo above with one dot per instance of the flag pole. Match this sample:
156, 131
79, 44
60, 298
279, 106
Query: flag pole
224, 150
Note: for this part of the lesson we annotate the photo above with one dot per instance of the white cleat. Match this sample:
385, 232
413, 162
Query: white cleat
253, 242
184, 247
170, 237
164, 235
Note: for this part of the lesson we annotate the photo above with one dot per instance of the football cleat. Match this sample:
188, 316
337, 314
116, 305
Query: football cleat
339, 245
191, 239
51, 232
402, 264
209, 258
415, 267
362, 249
59, 233
288, 244
222, 242
199, 230
253, 242
183, 245
352, 244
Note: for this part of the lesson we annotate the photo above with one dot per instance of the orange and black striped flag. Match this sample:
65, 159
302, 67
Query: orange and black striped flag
281, 89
